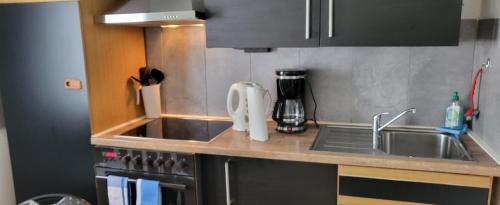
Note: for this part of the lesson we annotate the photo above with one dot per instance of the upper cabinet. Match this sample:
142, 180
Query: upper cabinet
262, 23
312, 23
390, 22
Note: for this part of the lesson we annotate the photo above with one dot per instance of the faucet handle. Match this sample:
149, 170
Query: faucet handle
380, 114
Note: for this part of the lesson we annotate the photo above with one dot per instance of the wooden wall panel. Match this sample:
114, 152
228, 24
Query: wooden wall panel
113, 54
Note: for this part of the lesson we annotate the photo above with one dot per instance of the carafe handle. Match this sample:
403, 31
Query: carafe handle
276, 111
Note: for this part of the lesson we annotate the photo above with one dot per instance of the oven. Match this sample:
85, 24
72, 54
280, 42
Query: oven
176, 173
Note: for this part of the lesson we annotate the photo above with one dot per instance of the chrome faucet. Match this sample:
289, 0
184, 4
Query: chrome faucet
376, 124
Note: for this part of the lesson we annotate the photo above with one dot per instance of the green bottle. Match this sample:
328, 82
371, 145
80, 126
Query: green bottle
454, 118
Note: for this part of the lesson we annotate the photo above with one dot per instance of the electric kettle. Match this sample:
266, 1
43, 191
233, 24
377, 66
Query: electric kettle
239, 114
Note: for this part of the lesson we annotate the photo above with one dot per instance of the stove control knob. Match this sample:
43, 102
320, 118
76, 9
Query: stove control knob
182, 164
149, 161
125, 159
158, 162
137, 160
169, 163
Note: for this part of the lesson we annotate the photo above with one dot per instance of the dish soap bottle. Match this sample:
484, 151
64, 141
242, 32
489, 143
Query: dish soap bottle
454, 118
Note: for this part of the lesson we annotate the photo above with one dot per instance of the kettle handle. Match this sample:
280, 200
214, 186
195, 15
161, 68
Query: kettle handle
230, 109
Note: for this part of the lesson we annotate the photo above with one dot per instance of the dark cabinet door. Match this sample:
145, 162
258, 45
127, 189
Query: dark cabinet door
390, 22
415, 192
47, 125
262, 23
267, 182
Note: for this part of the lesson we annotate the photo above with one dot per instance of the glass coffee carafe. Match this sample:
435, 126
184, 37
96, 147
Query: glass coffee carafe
289, 110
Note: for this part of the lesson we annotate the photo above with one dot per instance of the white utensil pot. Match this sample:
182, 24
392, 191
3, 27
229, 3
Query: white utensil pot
152, 100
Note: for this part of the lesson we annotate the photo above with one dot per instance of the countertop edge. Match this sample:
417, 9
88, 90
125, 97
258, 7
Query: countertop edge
331, 158
109, 138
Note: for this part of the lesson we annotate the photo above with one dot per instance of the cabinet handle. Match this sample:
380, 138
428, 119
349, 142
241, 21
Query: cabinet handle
308, 19
226, 177
330, 18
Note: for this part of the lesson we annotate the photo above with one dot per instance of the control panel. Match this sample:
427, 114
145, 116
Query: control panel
145, 161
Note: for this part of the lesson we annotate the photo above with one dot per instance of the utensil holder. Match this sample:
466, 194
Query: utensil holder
152, 100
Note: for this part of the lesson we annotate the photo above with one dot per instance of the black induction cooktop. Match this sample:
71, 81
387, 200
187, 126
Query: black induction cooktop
180, 129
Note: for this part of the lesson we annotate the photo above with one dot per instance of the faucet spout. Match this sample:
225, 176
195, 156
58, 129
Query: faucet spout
412, 110
376, 128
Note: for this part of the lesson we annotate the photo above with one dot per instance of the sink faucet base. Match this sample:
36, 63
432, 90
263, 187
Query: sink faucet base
376, 128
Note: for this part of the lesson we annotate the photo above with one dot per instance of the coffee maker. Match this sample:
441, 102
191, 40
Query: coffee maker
289, 110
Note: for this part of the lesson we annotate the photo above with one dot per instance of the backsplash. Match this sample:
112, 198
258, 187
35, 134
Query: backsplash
351, 84
488, 46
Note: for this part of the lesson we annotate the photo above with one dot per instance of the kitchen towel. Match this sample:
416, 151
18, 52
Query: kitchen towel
117, 190
148, 192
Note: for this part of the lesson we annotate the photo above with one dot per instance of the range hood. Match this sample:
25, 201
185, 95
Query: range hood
151, 13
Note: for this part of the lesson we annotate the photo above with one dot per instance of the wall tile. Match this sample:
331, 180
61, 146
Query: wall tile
263, 66
436, 72
184, 56
380, 82
225, 66
330, 74
154, 55
154, 52
488, 46
351, 84
485, 48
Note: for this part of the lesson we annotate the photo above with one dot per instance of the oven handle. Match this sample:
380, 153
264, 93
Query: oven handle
181, 187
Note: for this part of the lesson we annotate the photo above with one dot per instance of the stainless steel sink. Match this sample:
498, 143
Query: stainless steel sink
423, 143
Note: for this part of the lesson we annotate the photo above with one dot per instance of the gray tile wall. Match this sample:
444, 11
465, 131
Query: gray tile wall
351, 84
488, 46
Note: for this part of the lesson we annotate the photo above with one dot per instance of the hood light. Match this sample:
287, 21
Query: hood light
184, 25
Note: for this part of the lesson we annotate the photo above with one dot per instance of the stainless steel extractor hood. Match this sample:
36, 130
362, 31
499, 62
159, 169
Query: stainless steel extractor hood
150, 13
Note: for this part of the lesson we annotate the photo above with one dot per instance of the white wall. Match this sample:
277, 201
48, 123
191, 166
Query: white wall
6, 184
490, 9
472, 9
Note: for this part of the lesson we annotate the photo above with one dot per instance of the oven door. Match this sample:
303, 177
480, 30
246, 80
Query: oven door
175, 190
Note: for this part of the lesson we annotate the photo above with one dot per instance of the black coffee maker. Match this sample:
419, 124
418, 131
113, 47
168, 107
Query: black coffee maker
289, 110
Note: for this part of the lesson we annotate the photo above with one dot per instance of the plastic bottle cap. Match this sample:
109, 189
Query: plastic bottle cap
455, 96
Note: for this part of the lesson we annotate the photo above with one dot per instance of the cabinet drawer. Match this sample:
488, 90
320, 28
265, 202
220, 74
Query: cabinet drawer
412, 191
364, 185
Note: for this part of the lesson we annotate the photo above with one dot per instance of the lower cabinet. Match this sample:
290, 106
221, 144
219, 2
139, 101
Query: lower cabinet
363, 185
245, 181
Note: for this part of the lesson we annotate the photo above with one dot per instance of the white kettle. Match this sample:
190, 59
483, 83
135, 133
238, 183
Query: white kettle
239, 114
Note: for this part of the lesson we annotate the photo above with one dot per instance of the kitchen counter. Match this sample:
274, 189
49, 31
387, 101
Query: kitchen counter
295, 148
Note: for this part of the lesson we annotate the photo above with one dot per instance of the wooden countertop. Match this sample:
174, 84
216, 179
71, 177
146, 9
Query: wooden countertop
296, 148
